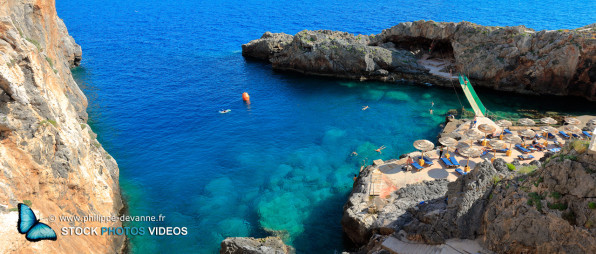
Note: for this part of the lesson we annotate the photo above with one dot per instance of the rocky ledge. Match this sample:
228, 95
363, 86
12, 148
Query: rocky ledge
516, 59
545, 207
249, 245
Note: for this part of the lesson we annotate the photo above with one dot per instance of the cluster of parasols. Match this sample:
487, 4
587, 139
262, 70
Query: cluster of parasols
464, 142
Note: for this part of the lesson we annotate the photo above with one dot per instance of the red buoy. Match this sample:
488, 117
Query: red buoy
245, 96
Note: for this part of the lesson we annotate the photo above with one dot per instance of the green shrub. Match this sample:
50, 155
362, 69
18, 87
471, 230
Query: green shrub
534, 199
557, 206
14, 209
27, 202
49, 60
555, 195
511, 167
592, 205
527, 169
36, 43
48, 121
496, 179
579, 145
538, 181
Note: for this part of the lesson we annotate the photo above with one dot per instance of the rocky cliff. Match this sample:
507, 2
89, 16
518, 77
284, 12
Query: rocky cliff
503, 58
49, 156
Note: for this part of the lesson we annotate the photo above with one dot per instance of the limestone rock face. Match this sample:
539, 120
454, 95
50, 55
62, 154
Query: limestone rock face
267, 46
552, 211
48, 154
249, 245
342, 54
460, 214
504, 58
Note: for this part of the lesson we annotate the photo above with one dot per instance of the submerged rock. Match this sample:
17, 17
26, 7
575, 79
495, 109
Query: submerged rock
249, 245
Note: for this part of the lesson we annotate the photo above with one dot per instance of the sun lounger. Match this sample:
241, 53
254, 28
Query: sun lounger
454, 161
555, 150
447, 163
504, 150
551, 136
564, 134
484, 152
557, 143
538, 136
576, 136
525, 157
522, 149
587, 134
427, 161
507, 131
416, 166
460, 171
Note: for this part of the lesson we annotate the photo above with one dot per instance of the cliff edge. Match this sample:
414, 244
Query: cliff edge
49, 156
516, 59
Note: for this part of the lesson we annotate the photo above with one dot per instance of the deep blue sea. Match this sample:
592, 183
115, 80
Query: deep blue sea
157, 72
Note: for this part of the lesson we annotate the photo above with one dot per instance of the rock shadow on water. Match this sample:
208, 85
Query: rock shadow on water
316, 240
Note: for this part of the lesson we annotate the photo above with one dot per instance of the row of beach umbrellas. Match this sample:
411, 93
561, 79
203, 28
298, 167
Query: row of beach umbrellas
458, 140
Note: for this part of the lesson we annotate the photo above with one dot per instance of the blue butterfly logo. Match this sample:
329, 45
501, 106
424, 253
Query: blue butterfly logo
29, 224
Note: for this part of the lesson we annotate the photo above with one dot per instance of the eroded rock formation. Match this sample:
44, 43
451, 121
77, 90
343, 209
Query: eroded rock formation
48, 154
504, 58
249, 245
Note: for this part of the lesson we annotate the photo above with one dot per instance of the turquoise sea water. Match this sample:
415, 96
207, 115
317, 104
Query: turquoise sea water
156, 73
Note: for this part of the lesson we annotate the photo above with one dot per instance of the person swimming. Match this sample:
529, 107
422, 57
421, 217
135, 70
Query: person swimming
431, 111
364, 107
378, 150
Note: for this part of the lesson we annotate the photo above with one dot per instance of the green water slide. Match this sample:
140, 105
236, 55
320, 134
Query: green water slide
477, 106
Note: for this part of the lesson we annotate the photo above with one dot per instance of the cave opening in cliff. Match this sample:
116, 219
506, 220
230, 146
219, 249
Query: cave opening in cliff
436, 55
420, 46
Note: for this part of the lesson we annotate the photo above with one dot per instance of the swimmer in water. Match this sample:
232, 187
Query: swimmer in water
431, 111
364, 107
354, 153
432, 103
378, 150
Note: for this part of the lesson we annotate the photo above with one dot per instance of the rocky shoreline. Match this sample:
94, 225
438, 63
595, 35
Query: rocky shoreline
549, 210
516, 59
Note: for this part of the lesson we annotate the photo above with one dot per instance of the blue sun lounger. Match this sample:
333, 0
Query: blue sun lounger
551, 136
576, 136
587, 134
522, 149
504, 150
427, 161
447, 163
416, 166
555, 150
460, 171
454, 162
564, 134
525, 157
507, 131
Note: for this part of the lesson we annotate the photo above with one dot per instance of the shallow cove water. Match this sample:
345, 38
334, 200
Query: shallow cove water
157, 73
